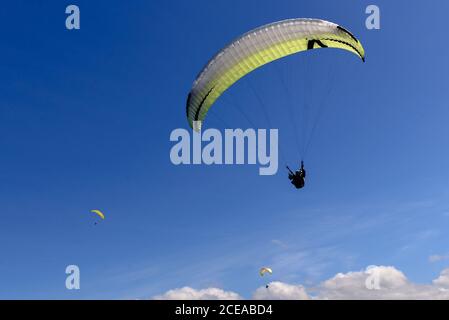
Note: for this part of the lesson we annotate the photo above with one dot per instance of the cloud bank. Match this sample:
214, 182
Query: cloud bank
281, 291
188, 293
375, 282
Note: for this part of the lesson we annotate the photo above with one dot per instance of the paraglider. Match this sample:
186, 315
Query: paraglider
99, 214
259, 47
263, 271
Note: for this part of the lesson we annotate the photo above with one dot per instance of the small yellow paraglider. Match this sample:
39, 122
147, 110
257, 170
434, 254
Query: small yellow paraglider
98, 213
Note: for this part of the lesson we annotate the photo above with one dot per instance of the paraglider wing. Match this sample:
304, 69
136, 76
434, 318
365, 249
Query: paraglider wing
265, 270
98, 213
257, 48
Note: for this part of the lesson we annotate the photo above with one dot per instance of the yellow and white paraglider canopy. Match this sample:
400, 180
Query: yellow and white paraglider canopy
265, 270
257, 48
98, 213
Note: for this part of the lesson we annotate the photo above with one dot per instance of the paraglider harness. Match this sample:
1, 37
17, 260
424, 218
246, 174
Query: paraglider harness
297, 178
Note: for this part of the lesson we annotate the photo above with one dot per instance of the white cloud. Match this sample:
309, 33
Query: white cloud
281, 291
392, 285
279, 243
443, 280
438, 257
188, 293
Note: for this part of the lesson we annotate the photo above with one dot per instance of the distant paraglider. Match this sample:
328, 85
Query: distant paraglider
265, 270
99, 214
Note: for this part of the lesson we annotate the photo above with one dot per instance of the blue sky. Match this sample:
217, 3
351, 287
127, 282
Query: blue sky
85, 119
